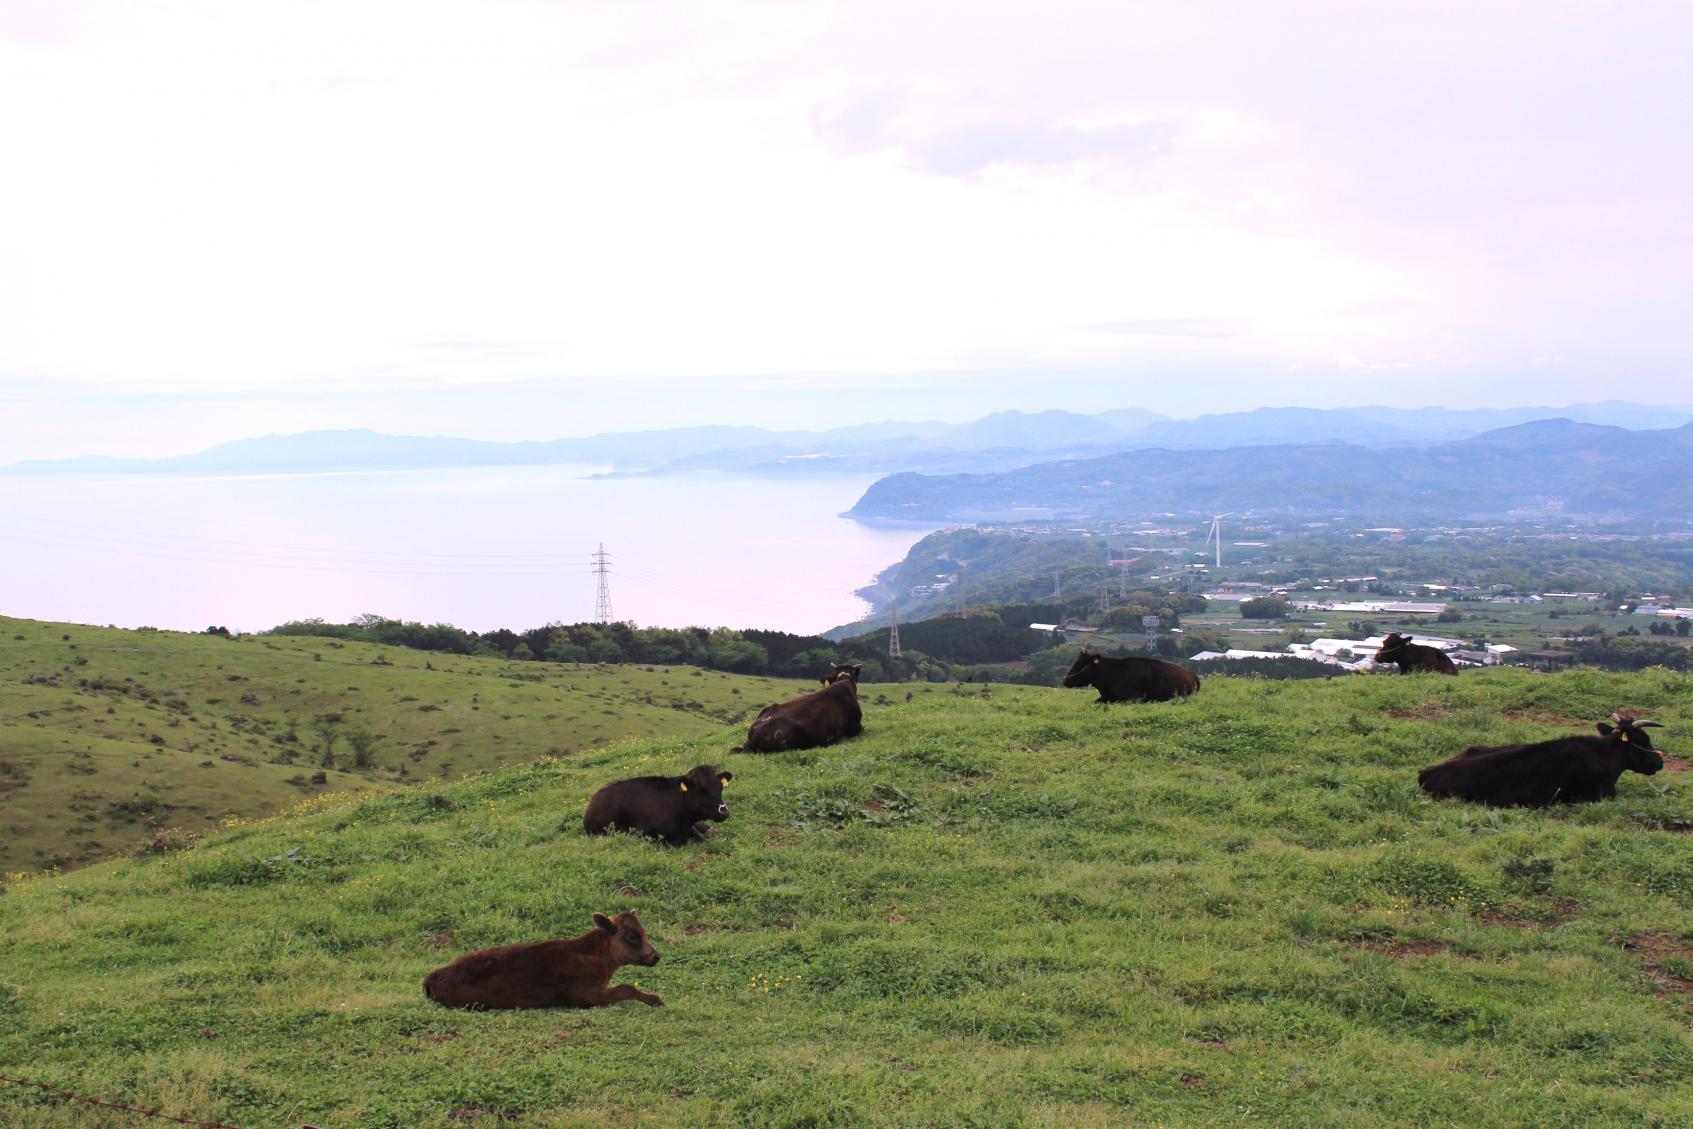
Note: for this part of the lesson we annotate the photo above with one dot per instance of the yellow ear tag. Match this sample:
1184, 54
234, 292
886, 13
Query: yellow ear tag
1623, 733
1095, 660
682, 784
723, 781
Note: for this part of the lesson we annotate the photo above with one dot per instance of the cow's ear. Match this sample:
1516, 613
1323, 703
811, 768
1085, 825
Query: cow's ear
725, 777
1604, 729
605, 923
682, 784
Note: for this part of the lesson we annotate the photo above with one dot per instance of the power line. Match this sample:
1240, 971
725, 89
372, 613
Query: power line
893, 631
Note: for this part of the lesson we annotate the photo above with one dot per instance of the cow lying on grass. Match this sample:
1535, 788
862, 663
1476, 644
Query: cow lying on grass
1414, 658
1131, 679
819, 718
671, 808
1567, 770
571, 973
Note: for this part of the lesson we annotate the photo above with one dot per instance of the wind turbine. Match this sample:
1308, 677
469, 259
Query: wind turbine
1216, 534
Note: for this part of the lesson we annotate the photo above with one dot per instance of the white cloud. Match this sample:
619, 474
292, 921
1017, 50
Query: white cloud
371, 203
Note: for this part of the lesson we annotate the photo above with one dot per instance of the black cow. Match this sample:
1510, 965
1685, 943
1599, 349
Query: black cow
1131, 678
819, 718
671, 808
1414, 657
1567, 770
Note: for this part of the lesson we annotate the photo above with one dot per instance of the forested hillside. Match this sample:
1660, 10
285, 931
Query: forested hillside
1550, 466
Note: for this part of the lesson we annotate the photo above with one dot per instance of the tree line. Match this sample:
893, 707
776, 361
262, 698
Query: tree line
932, 649
778, 654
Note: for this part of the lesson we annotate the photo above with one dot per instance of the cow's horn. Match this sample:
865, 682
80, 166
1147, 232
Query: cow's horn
1648, 725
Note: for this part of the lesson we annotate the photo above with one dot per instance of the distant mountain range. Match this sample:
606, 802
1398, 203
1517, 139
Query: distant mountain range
1000, 442
1543, 468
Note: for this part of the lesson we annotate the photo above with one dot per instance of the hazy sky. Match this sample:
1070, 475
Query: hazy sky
512, 220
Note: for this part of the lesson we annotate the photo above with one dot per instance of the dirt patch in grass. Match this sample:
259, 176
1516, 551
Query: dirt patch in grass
1430, 711
471, 1112
1401, 949
1500, 917
1654, 823
1676, 764
1546, 717
1562, 910
1653, 949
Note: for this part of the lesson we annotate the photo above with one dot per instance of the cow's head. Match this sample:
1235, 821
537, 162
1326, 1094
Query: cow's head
838, 672
1081, 671
702, 792
1393, 645
1632, 736
629, 944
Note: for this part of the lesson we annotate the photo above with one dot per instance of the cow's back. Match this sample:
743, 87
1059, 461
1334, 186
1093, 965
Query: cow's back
1133, 678
1502, 777
512, 976
1418, 658
1437, 661
603, 809
630, 805
819, 718
1527, 775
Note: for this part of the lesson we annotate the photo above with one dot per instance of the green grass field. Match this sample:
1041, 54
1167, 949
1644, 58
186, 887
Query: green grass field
1000, 907
108, 735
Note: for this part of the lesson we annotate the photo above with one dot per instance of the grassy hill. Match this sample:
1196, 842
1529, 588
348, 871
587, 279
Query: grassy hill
1001, 907
108, 735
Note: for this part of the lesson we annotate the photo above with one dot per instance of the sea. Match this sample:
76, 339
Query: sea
479, 548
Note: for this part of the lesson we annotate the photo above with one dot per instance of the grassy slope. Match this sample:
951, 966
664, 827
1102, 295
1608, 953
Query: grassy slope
141, 728
997, 909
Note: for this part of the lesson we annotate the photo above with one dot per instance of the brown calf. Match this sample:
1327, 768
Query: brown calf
567, 973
